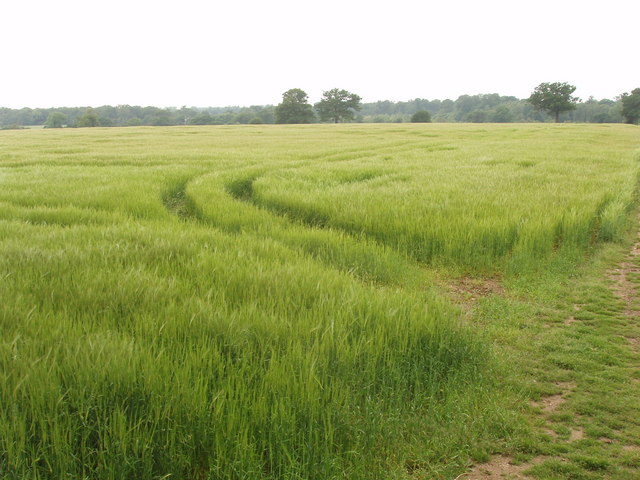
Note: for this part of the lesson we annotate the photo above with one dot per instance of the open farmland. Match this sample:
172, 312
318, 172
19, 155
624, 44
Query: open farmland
287, 302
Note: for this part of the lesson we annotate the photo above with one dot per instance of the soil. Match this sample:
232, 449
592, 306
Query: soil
551, 403
623, 287
466, 291
576, 434
500, 467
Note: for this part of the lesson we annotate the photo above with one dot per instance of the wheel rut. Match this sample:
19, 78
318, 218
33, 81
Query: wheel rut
178, 203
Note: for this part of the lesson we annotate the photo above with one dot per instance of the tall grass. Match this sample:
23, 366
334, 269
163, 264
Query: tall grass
478, 201
255, 302
133, 352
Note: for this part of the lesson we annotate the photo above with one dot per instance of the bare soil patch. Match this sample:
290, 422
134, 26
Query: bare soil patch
631, 448
606, 440
622, 287
551, 403
500, 467
571, 320
576, 434
467, 291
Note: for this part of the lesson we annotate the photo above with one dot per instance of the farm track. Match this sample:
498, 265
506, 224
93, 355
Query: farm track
560, 411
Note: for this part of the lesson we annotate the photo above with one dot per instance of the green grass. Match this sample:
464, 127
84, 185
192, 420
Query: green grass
270, 302
577, 344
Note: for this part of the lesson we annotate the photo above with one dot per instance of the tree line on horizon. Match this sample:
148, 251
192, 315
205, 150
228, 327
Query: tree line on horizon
481, 108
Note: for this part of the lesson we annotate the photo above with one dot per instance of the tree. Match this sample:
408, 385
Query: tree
338, 105
554, 98
163, 118
185, 114
294, 108
500, 114
89, 119
421, 116
133, 122
477, 116
55, 120
631, 106
201, 119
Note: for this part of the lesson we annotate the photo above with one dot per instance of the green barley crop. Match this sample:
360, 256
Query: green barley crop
259, 302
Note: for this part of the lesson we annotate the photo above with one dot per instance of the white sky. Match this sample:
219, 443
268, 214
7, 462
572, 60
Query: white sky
248, 52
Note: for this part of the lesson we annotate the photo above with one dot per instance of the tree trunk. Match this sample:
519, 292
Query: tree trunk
557, 117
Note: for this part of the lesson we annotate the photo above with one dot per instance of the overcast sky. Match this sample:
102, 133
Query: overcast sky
248, 52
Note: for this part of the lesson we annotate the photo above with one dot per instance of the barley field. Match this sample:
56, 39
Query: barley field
269, 302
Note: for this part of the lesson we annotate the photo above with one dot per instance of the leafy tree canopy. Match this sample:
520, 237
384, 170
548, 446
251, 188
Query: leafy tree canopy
338, 105
631, 106
477, 116
421, 116
201, 119
89, 119
55, 120
554, 98
294, 108
496, 108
